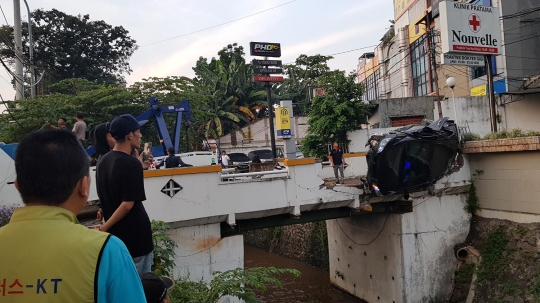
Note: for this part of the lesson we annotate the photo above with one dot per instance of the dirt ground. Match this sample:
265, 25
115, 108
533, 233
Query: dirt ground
510, 268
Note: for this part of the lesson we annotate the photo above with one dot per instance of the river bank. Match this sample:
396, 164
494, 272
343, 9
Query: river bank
313, 286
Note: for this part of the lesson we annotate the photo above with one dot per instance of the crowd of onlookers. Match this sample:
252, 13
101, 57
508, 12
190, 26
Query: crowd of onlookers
46, 255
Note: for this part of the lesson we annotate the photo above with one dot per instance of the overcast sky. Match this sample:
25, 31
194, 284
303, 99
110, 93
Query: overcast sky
302, 27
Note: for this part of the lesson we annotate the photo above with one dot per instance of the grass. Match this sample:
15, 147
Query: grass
493, 265
472, 201
464, 274
505, 134
514, 133
522, 231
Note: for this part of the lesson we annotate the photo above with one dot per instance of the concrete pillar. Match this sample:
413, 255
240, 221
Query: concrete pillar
201, 251
399, 258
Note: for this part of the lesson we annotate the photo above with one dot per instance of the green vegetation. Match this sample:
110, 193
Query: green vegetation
493, 265
240, 283
535, 291
318, 242
514, 133
522, 231
464, 274
163, 249
5, 214
69, 46
472, 205
470, 137
339, 111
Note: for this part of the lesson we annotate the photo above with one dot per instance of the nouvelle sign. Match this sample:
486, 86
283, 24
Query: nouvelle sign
469, 28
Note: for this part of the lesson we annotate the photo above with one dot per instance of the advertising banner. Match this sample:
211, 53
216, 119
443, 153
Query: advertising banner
283, 122
469, 28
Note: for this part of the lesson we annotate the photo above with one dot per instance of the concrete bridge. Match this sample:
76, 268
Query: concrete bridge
399, 252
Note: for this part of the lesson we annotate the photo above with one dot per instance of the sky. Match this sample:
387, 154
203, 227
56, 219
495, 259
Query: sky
301, 26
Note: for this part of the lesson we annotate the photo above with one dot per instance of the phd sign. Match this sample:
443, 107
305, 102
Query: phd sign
265, 49
469, 28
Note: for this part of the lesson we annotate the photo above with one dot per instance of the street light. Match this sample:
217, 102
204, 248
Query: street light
451, 82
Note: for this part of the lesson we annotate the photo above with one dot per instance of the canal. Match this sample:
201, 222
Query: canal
313, 286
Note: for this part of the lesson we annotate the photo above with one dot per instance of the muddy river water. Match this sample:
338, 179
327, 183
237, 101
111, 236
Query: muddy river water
313, 286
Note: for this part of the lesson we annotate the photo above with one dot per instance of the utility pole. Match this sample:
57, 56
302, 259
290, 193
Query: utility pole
271, 118
31, 51
19, 84
491, 92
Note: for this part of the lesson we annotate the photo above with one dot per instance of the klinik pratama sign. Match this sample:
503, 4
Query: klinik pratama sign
469, 28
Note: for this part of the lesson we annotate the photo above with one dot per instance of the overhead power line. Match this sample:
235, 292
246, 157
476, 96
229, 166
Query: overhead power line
4, 14
221, 24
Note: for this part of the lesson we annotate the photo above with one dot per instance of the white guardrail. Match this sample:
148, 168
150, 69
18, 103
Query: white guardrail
227, 175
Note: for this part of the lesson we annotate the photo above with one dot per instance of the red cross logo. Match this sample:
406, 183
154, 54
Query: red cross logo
474, 22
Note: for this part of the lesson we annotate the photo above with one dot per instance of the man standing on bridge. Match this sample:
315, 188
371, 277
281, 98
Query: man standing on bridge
120, 187
338, 161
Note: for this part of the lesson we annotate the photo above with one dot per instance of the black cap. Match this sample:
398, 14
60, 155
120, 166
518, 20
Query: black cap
123, 125
155, 287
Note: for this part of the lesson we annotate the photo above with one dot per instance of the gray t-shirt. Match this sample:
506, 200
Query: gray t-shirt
80, 130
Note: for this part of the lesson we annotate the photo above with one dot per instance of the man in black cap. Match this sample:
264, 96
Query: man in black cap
156, 288
172, 160
120, 188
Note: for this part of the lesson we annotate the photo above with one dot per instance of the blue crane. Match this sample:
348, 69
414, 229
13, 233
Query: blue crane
157, 110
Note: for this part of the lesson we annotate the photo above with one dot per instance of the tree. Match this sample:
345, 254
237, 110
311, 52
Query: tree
100, 104
302, 76
74, 47
231, 95
331, 116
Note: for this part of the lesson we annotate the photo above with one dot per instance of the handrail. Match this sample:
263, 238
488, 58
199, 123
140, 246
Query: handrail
260, 173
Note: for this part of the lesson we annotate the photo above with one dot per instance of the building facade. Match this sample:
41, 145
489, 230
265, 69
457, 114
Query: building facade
407, 63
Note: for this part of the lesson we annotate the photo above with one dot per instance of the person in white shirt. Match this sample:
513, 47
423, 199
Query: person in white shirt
224, 159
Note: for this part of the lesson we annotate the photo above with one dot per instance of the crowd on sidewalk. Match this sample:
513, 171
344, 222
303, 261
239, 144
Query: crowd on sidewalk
47, 255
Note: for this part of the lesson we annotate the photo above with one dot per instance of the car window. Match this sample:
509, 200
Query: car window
239, 157
264, 154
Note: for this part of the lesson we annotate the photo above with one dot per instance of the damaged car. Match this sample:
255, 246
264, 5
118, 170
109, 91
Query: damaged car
411, 158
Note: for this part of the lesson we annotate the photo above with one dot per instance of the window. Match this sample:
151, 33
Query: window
419, 64
372, 87
477, 72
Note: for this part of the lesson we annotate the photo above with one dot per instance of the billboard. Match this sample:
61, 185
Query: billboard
283, 122
265, 49
469, 28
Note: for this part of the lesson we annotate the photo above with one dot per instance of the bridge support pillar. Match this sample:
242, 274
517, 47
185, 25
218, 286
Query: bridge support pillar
201, 251
399, 258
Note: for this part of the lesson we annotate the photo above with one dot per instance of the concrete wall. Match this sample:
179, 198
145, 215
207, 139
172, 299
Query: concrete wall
508, 182
399, 258
523, 114
472, 112
404, 107
201, 251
